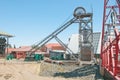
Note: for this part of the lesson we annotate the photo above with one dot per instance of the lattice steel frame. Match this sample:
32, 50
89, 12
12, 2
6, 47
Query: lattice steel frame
85, 31
110, 43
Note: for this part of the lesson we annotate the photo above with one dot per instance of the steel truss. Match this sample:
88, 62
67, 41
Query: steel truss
110, 43
86, 37
80, 16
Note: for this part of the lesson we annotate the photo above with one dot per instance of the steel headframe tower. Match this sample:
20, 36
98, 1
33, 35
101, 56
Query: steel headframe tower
85, 33
85, 30
110, 44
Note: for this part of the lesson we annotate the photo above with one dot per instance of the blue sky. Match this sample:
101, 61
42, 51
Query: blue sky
32, 20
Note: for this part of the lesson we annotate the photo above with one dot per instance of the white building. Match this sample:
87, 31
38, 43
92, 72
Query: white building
74, 43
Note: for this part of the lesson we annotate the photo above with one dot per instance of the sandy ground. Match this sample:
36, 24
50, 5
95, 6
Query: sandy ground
10, 70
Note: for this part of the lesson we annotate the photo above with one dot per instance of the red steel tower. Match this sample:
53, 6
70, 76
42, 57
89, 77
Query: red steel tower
110, 43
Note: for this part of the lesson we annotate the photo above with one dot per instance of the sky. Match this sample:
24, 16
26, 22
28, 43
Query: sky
30, 21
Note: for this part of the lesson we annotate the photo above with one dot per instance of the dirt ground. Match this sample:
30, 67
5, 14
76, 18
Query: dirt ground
16, 70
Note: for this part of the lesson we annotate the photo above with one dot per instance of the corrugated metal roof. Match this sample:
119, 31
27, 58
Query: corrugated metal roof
23, 48
50, 45
54, 46
2, 33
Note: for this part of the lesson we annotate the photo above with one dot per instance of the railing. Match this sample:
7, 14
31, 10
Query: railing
110, 45
111, 50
